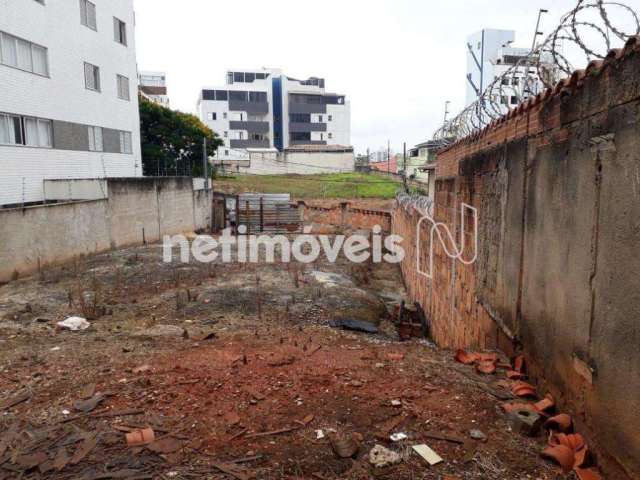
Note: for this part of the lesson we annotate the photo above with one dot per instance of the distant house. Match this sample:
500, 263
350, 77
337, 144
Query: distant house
421, 163
153, 86
390, 166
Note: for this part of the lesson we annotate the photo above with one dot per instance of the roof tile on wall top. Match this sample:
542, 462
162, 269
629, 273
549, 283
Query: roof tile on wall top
566, 86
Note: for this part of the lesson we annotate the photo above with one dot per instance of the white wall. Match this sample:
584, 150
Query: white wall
340, 124
136, 211
63, 96
301, 163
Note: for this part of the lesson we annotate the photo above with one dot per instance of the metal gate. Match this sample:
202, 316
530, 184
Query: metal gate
267, 213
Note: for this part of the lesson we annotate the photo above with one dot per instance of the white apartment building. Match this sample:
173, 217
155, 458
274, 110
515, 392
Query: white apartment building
153, 85
68, 97
264, 109
489, 55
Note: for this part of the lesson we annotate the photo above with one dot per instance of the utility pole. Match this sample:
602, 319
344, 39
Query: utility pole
404, 157
205, 161
446, 110
388, 156
537, 33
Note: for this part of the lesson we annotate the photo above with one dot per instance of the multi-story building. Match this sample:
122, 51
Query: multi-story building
265, 109
490, 55
381, 155
68, 102
153, 85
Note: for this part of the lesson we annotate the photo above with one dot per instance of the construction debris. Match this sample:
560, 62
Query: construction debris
344, 446
478, 435
354, 325
428, 454
74, 324
89, 404
381, 457
525, 422
398, 437
143, 436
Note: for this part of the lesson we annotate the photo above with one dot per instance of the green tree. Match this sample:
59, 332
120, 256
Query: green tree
172, 141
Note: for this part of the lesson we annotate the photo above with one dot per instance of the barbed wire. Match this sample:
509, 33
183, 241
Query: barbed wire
545, 64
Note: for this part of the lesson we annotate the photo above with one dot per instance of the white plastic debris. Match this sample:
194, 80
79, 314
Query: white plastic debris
66, 412
319, 434
396, 403
74, 324
398, 437
55, 349
429, 455
383, 457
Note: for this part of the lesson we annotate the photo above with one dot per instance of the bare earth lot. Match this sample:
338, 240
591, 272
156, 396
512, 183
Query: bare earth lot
242, 383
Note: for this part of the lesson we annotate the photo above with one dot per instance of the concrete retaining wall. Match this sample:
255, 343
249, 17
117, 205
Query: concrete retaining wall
557, 188
137, 211
291, 162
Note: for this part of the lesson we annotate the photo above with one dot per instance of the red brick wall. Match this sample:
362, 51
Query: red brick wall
345, 216
557, 187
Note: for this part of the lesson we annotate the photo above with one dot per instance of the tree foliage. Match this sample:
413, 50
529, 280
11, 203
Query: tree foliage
172, 141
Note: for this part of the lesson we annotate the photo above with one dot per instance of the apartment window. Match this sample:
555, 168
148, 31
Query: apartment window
224, 115
37, 132
320, 118
212, 116
29, 131
126, 142
300, 117
238, 96
226, 153
221, 95
330, 118
514, 100
18, 53
92, 77
119, 31
226, 134
258, 97
300, 136
95, 139
330, 135
88, 14
11, 130
123, 87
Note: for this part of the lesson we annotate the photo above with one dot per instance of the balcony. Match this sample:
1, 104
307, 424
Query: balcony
251, 127
307, 108
307, 142
249, 107
307, 127
249, 144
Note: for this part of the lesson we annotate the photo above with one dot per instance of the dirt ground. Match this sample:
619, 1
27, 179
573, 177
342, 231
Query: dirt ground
236, 369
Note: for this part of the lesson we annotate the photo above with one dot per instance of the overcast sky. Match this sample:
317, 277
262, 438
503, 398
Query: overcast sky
396, 60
